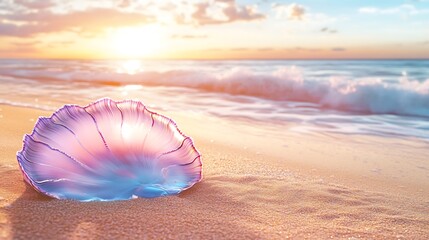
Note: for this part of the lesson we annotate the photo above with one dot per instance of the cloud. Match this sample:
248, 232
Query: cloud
297, 49
18, 50
300, 13
292, 11
186, 36
240, 49
368, 10
262, 49
265, 49
221, 11
26, 44
242, 13
35, 4
31, 23
24, 18
407, 9
124, 3
304, 49
328, 30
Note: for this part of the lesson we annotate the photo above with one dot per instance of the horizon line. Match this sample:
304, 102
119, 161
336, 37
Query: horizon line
220, 59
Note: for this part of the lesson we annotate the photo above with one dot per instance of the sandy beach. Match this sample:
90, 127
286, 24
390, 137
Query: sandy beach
214, 119
268, 189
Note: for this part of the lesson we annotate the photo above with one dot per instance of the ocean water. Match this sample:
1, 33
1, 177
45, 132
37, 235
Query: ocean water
386, 98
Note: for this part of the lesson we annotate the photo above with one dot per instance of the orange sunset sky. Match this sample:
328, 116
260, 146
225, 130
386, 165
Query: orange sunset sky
214, 29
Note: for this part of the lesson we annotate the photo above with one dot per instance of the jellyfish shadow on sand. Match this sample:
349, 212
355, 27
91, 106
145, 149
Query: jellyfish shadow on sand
201, 211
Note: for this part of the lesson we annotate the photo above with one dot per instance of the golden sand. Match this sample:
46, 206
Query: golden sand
301, 188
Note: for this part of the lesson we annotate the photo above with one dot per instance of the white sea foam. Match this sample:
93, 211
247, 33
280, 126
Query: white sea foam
369, 95
383, 98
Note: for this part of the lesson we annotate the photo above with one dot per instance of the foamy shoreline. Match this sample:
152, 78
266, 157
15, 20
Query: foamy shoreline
381, 98
246, 192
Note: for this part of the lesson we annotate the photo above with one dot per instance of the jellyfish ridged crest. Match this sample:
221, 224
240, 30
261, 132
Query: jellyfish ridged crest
108, 151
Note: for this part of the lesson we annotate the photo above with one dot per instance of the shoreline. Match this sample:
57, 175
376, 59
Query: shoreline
270, 189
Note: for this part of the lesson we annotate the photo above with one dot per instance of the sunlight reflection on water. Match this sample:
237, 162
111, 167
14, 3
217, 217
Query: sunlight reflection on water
130, 67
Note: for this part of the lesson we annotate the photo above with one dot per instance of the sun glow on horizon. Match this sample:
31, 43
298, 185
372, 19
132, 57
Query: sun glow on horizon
135, 42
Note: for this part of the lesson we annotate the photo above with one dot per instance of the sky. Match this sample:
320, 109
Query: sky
214, 29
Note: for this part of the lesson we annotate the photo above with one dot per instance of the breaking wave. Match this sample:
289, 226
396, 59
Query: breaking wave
363, 95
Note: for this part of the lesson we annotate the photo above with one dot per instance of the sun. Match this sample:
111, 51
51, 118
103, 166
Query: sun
135, 42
